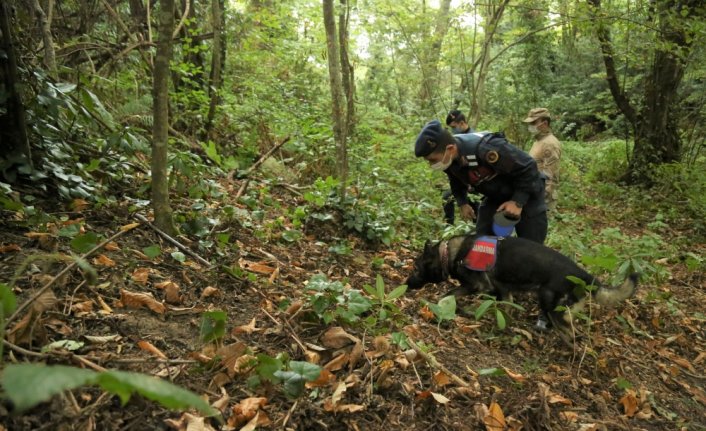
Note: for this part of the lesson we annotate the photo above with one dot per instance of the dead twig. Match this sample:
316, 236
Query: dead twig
179, 245
73, 264
431, 360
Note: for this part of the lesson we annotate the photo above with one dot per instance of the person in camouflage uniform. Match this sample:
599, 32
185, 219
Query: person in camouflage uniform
546, 150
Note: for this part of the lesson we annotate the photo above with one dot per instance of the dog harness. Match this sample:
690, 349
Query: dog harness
482, 255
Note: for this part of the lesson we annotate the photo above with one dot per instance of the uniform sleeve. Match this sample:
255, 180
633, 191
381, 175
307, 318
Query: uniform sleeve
510, 161
459, 190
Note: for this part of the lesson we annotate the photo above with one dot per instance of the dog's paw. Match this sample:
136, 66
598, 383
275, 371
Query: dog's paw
542, 324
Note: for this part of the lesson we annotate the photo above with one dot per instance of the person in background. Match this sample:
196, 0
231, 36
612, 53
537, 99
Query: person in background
546, 150
457, 121
506, 176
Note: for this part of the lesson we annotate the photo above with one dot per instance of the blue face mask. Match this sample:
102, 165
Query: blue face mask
456, 130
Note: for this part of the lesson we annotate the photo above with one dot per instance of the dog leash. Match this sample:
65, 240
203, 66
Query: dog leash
444, 258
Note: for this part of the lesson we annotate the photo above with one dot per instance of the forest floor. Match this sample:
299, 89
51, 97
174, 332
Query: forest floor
641, 366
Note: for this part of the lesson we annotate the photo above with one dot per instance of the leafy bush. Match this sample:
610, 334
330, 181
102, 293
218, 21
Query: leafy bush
331, 300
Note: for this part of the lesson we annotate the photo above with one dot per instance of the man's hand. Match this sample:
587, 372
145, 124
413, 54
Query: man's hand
467, 212
511, 209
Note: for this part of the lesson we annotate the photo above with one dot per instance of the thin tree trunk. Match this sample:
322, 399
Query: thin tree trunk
13, 124
216, 63
431, 56
160, 184
337, 113
44, 20
346, 67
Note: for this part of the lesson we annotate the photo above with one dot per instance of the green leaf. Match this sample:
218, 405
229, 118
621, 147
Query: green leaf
483, 308
500, 318
446, 309
380, 287
213, 325
621, 383
357, 303
29, 384
293, 383
179, 256
84, 243
152, 251
124, 384
8, 302
309, 371
491, 372
267, 367
399, 291
70, 231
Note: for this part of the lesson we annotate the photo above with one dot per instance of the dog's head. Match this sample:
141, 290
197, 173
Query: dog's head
427, 267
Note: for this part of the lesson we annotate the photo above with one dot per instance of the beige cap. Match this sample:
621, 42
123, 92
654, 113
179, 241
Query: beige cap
536, 114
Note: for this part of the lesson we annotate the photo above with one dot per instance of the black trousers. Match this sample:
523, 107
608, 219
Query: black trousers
449, 203
533, 228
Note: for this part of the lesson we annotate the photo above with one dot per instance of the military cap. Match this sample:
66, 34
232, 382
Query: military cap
455, 115
536, 114
428, 138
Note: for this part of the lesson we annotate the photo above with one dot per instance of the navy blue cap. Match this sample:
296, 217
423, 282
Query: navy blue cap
428, 138
455, 115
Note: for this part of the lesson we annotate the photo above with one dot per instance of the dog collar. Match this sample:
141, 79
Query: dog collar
444, 258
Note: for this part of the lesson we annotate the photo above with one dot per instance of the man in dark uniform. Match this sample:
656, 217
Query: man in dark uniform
457, 121
506, 176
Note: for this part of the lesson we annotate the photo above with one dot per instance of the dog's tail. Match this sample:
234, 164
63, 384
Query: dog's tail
616, 295
608, 296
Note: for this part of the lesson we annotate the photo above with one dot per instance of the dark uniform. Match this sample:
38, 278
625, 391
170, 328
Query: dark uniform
447, 196
500, 172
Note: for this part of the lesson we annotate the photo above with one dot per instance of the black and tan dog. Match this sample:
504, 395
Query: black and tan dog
521, 265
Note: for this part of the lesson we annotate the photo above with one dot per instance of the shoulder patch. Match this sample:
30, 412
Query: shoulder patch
492, 156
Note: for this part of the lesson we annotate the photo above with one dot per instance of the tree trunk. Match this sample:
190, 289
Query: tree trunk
44, 20
337, 113
160, 187
13, 124
430, 59
346, 67
216, 62
655, 124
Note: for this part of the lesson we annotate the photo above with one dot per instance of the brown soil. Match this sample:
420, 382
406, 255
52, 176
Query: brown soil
655, 343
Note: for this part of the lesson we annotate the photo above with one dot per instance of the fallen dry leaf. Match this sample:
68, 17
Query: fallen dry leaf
140, 275
519, 378
337, 363
441, 379
630, 403
150, 348
245, 329
426, 313
129, 227
440, 398
274, 276
325, 378
495, 420
112, 246
210, 291
189, 422
336, 337
103, 260
82, 307
138, 300
294, 307
79, 204
246, 410
229, 355
9, 247
260, 268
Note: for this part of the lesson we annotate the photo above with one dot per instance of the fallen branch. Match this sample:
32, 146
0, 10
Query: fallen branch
179, 245
262, 159
44, 288
431, 360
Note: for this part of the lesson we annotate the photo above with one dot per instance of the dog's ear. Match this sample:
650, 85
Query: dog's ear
428, 245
